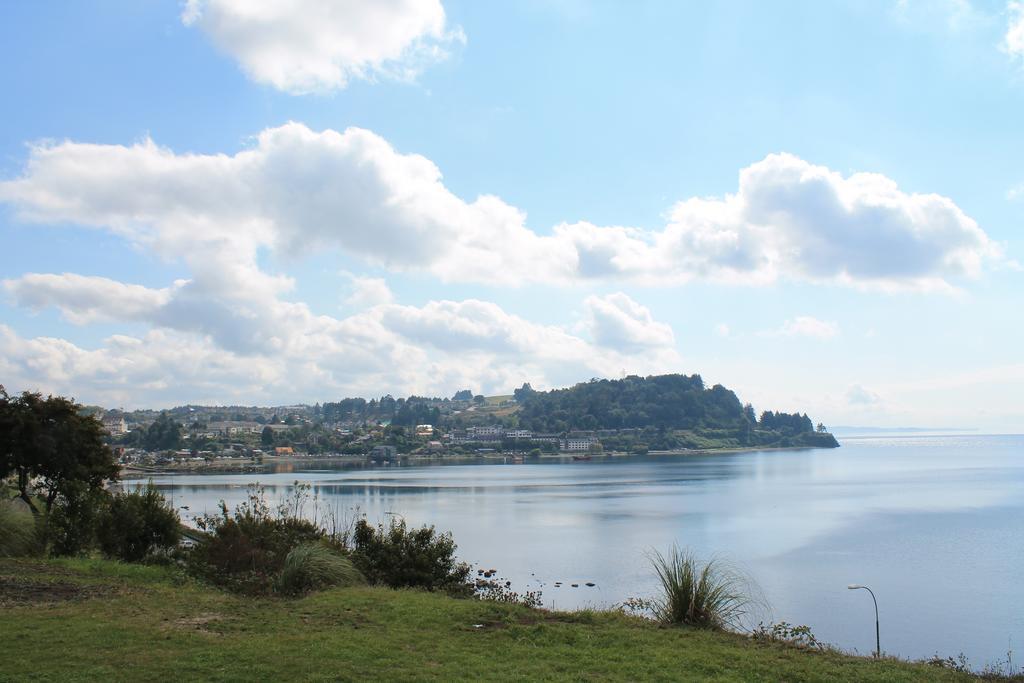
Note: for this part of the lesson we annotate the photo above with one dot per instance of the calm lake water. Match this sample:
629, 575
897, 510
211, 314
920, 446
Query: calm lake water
935, 525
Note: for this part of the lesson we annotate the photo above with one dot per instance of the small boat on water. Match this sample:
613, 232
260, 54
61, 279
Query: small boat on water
581, 457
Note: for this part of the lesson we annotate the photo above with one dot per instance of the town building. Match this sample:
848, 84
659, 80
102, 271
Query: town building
115, 425
384, 453
231, 428
578, 444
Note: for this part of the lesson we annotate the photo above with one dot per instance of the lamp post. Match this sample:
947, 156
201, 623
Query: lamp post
878, 640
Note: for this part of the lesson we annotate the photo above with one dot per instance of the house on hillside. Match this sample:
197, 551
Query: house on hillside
233, 428
115, 425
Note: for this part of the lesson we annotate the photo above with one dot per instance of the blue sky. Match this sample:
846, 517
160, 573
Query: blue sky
818, 205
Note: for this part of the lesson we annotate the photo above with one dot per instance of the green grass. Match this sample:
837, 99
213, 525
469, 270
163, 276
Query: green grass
144, 623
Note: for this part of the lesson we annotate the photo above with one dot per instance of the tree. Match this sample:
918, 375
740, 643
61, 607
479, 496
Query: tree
11, 426
164, 434
463, 395
479, 399
524, 392
52, 448
267, 437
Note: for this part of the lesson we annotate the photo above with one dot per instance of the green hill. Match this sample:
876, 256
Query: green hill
674, 408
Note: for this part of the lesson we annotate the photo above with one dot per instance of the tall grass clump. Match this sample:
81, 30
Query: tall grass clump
314, 566
18, 536
711, 595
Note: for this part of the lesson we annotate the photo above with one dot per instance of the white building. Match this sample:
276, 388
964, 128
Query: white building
234, 427
483, 434
518, 434
115, 425
578, 444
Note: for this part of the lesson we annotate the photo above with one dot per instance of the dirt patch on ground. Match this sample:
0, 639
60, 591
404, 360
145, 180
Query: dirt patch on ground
206, 623
20, 592
528, 619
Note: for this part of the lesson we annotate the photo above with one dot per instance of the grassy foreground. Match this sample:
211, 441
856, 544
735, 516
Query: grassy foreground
93, 620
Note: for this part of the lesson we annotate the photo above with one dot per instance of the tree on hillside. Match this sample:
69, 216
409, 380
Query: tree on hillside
267, 437
463, 395
164, 434
52, 448
524, 392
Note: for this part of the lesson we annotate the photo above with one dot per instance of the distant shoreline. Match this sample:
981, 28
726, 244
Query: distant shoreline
240, 466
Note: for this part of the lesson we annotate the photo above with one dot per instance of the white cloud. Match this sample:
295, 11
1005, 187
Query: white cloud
949, 15
857, 395
722, 330
296, 189
617, 322
311, 46
84, 299
288, 353
368, 292
1013, 42
805, 326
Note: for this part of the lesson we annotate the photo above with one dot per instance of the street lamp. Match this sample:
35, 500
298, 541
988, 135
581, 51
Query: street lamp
878, 640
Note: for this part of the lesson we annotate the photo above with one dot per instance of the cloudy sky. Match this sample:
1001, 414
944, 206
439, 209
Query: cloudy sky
819, 205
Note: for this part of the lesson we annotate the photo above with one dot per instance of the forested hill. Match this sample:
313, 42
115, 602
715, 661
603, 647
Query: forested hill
665, 402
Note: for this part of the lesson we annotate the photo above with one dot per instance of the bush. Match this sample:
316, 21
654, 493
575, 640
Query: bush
137, 523
245, 550
496, 591
791, 634
17, 530
314, 566
713, 595
398, 557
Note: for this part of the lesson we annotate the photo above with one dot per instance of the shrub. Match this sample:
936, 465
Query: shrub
245, 550
137, 523
398, 557
314, 566
17, 530
713, 595
496, 591
791, 634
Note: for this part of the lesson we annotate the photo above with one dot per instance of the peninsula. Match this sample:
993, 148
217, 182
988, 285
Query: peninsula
634, 415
